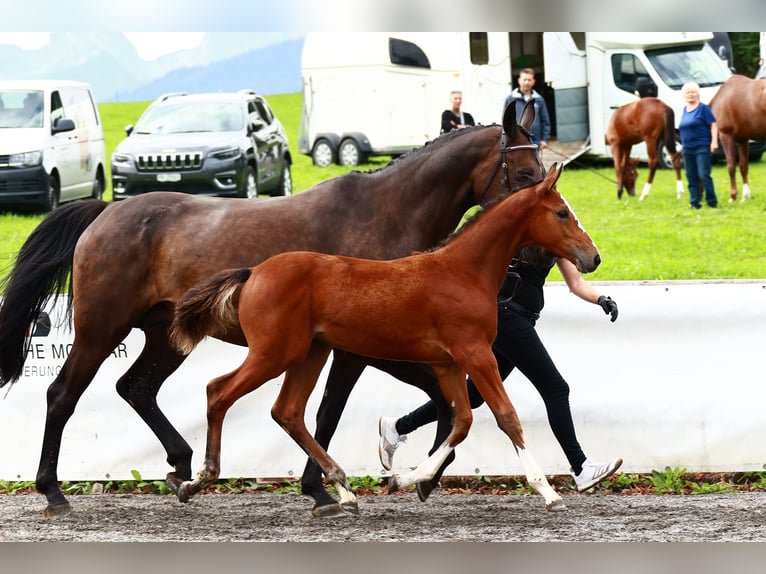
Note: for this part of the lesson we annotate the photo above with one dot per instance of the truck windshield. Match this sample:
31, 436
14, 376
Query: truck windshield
682, 64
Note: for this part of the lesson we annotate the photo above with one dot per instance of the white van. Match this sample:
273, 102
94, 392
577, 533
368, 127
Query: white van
51, 143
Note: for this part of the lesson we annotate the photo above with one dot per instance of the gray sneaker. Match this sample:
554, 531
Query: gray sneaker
594, 472
390, 439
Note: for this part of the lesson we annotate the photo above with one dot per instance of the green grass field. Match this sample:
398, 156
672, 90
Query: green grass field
659, 238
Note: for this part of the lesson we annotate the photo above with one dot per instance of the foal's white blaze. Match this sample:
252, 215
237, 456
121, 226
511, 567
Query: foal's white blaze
577, 219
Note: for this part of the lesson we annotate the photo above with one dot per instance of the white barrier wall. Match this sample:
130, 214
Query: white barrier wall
677, 381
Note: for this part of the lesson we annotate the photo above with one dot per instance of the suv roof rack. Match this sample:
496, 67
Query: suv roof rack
169, 95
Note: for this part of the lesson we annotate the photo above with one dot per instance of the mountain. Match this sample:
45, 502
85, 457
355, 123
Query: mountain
272, 70
110, 64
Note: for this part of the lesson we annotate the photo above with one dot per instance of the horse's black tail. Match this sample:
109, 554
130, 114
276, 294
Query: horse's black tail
670, 131
40, 272
208, 307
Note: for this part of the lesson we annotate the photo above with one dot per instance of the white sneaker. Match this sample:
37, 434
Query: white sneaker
390, 439
594, 472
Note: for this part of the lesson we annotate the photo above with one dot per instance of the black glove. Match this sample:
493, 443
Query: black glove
609, 306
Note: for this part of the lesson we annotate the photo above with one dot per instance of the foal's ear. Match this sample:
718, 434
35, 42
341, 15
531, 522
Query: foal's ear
554, 172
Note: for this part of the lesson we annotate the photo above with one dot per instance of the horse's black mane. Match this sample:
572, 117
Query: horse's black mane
429, 146
470, 222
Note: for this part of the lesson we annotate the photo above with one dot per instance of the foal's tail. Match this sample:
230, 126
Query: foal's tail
42, 268
208, 307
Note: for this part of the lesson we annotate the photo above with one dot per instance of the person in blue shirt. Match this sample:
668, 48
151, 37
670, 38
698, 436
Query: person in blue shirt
699, 140
541, 128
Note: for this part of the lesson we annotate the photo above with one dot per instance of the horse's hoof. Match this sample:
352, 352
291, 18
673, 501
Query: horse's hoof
393, 484
350, 507
328, 511
424, 489
556, 506
184, 491
174, 482
57, 509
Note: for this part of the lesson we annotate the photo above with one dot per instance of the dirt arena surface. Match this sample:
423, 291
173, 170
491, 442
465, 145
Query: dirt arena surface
401, 517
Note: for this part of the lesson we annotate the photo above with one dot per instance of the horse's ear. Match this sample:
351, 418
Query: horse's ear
509, 119
528, 115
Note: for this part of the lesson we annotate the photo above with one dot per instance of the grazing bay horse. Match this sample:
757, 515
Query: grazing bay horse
130, 261
739, 107
649, 120
438, 308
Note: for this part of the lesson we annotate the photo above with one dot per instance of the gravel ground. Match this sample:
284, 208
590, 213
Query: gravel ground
401, 517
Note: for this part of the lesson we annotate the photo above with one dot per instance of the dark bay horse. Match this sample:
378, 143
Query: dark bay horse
130, 261
438, 308
739, 107
649, 120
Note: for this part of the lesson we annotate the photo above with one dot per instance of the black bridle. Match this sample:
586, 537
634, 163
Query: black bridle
505, 182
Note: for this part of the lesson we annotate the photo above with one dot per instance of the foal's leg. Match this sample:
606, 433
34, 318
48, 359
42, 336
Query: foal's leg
222, 393
483, 371
729, 148
344, 373
289, 411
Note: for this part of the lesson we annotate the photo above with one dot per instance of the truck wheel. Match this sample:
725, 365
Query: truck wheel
285, 186
323, 154
349, 153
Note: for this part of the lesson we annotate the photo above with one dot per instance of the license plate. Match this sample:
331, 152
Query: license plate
168, 177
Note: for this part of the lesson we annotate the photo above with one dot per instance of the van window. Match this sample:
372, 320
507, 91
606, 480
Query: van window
479, 46
79, 106
404, 53
57, 108
21, 109
628, 72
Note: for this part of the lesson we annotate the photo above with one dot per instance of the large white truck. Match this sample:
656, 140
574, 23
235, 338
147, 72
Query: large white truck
383, 93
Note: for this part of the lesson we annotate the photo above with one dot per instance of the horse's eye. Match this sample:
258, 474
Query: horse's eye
563, 214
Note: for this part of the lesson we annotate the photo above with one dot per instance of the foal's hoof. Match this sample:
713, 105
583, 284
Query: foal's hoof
556, 506
328, 511
350, 507
424, 490
57, 509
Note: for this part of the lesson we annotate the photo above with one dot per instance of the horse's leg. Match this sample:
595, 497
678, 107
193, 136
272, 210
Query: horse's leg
344, 373
729, 149
619, 162
139, 387
744, 162
423, 377
65, 391
453, 387
289, 411
677, 157
654, 160
484, 373
222, 393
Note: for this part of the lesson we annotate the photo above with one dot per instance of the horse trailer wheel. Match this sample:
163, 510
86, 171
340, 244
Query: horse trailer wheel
349, 153
665, 157
323, 154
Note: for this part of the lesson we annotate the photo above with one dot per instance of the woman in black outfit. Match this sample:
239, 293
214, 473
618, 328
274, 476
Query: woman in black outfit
518, 345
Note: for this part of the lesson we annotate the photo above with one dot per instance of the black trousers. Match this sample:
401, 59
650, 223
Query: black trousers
518, 346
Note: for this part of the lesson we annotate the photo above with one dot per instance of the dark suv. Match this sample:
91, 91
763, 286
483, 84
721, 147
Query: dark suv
224, 144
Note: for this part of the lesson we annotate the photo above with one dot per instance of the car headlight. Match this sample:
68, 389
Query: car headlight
26, 159
230, 153
121, 158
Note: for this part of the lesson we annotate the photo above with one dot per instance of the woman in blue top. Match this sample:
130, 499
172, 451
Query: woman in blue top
699, 139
